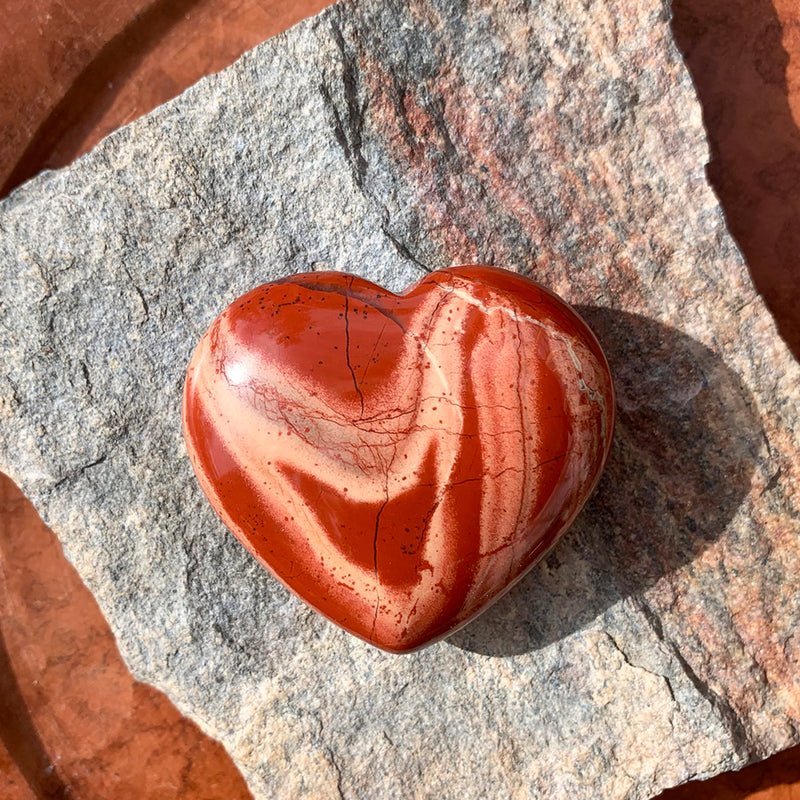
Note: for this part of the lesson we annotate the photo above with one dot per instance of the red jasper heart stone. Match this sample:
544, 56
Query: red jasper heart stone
398, 461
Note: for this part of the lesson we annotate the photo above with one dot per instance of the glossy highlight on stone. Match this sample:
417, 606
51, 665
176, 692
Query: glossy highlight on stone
399, 461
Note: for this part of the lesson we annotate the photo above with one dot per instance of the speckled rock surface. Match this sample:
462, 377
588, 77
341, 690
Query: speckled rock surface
657, 643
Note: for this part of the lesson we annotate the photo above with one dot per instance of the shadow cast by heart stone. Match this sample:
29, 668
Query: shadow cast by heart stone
685, 448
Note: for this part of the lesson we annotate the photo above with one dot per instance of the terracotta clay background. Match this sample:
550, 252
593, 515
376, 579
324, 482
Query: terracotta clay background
73, 723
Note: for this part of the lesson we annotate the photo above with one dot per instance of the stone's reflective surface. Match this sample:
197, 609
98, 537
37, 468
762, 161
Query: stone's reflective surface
398, 461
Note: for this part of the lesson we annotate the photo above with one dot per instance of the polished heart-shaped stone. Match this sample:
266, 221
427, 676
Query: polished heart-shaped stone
399, 461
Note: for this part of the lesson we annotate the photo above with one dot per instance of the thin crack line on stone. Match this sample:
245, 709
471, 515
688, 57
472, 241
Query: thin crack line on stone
80, 471
355, 113
403, 250
375, 535
347, 348
630, 663
740, 738
372, 354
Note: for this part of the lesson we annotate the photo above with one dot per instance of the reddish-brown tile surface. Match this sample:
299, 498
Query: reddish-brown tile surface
73, 723
777, 778
744, 56
75, 70
13, 785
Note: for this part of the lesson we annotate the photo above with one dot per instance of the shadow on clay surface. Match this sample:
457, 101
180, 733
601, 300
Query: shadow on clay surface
736, 52
685, 448
73, 721
20, 737
94, 90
